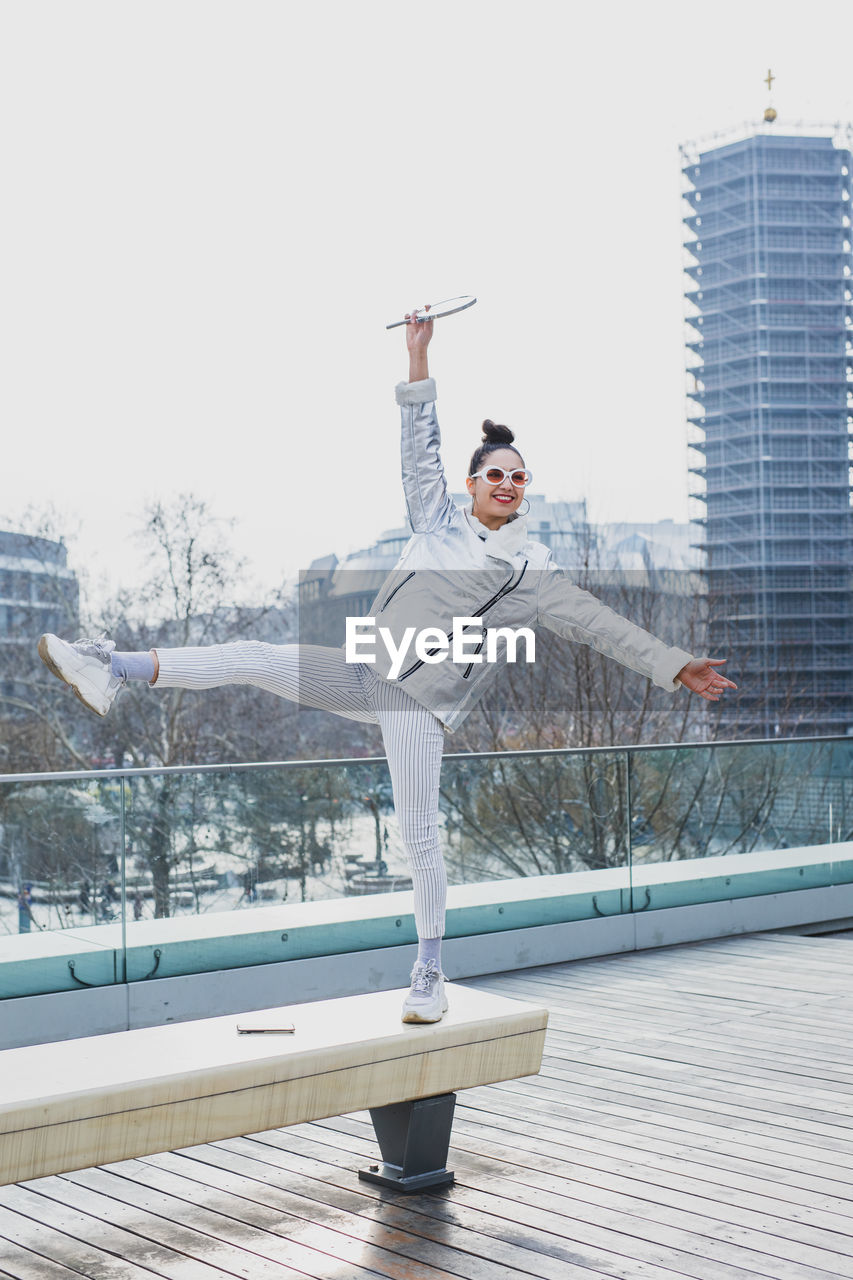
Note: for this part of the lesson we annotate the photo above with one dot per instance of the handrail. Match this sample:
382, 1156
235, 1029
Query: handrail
248, 766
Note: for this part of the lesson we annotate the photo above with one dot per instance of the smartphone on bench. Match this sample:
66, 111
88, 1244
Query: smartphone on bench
285, 1029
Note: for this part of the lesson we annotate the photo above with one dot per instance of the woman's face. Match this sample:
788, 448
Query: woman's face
495, 503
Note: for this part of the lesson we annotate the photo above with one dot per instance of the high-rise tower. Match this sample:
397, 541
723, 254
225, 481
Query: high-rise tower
771, 343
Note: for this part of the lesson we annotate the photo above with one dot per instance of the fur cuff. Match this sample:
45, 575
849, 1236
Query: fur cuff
416, 392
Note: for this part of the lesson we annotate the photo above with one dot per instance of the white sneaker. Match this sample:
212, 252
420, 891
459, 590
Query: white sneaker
85, 665
426, 1001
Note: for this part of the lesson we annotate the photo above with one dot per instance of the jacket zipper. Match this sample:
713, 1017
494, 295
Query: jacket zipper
396, 589
505, 590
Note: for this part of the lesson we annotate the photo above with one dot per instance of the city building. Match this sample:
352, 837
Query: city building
38, 592
770, 372
331, 590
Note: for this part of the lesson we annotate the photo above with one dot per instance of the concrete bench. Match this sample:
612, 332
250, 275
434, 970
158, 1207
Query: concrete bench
134, 1093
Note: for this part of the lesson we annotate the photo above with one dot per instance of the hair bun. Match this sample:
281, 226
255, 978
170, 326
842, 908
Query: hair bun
495, 433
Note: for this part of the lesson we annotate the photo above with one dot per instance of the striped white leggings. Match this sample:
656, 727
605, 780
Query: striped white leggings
318, 677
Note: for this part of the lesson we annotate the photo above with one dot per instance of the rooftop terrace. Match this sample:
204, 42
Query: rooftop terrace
693, 1117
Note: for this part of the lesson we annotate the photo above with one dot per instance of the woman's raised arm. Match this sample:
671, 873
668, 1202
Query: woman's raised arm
427, 500
418, 337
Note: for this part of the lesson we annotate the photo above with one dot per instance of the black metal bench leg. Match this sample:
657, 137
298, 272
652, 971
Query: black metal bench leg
413, 1138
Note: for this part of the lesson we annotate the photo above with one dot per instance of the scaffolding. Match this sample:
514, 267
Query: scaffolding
770, 384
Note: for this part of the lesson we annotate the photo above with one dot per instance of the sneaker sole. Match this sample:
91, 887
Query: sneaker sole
45, 655
413, 1016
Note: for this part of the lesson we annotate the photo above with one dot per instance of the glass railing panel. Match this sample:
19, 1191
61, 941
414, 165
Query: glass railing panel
740, 819
204, 843
60, 885
525, 816
217, 862
232, 839
216, 855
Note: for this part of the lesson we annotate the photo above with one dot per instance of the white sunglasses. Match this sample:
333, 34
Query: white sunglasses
496, 475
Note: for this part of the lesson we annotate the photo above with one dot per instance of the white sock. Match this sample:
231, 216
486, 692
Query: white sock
133, 666
430, 949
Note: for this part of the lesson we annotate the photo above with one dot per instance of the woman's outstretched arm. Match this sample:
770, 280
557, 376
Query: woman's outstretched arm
578, 615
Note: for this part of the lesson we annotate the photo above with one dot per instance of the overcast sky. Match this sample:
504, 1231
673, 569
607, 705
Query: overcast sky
211, 209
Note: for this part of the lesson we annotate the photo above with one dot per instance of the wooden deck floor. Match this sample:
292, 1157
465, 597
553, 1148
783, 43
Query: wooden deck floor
694, 1117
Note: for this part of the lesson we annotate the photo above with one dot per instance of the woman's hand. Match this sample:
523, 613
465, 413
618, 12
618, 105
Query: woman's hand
700, 677
418, 335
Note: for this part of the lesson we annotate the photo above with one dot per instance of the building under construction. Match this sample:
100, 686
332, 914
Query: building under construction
770, 323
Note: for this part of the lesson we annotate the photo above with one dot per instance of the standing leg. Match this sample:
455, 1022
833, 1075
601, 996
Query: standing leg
414, 742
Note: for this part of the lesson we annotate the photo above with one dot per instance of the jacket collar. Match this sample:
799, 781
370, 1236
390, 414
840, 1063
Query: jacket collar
504, 543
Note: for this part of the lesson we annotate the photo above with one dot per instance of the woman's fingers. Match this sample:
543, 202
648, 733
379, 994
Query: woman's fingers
700, 677
418, 331
720, 681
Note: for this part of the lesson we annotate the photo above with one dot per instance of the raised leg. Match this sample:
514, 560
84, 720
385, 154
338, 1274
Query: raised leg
413, 1138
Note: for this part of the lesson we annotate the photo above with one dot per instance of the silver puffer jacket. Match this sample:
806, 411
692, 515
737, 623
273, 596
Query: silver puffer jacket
454, 567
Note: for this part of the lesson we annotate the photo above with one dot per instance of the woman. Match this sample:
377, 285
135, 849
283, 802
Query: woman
475, 567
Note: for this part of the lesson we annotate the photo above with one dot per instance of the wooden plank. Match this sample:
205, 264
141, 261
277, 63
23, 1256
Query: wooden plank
812, 1054
758, 944
787, 971
682, 1067
580, 1150
782, 977
770, 943
271, 1234
549, 1255
573, 991
745, 1027
669, 1073
691, 1225
802, 1071
763, 1147
91, 1247
193, 1233
793, 1040
648, 968
704, 1257
625, 1142
819, 1083
22, 1262
579, 1021
323, 1177
799, 1016
431, 1220
577, 1007
563, 1042
29, 1266
703, 1092
776, 1233
725, 993
743, 1199
647, 965
703, 1061
649, 1102
774, 984
767, 983
137, 1092
358, 1218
